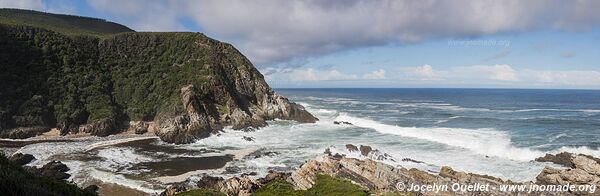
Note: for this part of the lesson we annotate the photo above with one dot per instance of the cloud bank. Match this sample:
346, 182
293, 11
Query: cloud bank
273, 31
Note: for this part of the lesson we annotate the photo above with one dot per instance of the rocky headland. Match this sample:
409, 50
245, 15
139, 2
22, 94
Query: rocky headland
91, 76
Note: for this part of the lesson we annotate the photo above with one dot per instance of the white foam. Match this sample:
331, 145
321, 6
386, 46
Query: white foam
486, 142
580, 150
109, 177
116, 158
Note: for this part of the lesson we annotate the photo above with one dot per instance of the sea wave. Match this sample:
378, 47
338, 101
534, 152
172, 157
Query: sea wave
487, 142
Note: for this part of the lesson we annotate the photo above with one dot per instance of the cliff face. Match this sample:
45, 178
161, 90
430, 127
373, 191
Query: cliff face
188, 84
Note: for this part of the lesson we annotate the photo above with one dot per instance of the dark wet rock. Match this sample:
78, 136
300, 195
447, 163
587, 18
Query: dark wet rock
563, 158
92, 189
173, 189
55, 170
21, 159
327, 151
411, 160
258, 154
23, 132
342, 123
232, 170
247, 138
248, 129
209, 182
351, 148
249, 174
273, 175
365, 150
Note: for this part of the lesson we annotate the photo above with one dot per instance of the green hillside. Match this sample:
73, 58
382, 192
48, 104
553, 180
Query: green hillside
54, 76
65, 24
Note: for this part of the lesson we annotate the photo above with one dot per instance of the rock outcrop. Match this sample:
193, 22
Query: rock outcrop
563, 158
55, 170
380, 177
21, 159
585, 170
241, 186
201, 117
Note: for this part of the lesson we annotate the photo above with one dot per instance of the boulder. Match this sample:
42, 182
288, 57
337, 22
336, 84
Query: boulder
243, 186
139, 127
54, 169
21, 159
563, 158
365, 150
342, 123
351, 148
102, 128
247, 138
173, 189
209, 182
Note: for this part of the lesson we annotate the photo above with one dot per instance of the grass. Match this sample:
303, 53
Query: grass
325, 185
202, 192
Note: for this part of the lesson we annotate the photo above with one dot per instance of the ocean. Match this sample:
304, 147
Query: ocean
498, 132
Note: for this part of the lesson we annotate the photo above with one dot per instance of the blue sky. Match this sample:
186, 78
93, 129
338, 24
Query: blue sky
356, 43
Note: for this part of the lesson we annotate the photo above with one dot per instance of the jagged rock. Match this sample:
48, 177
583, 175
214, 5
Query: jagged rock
21, 159
411, 160
193, 124
139, 127
249, 174
587, 164
342, 123
104, 127
238, 186
365, 150
209, 182
586, 170
258, 154
563, 158
381, 177
55, 170
247, 138
200, 116
273, 175
172, 190
351, 148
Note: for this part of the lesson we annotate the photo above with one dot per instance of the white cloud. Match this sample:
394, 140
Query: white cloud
270, 31
318, 75
375, 75
423, 72
490, 72
22, 4
570, 78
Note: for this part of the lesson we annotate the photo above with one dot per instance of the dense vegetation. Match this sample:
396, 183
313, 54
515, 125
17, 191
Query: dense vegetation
65, 24
57, 76
14, 180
